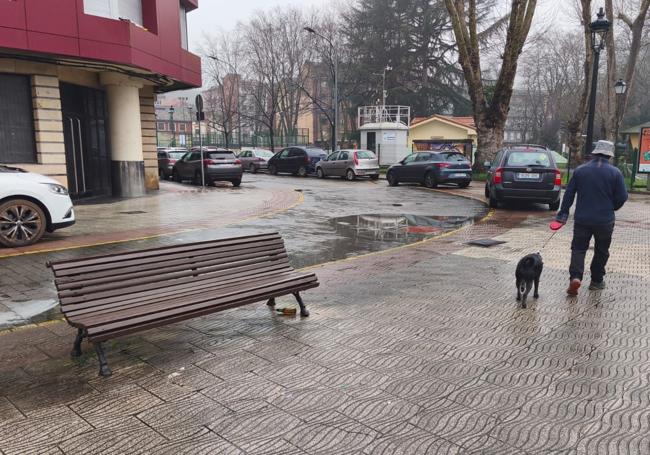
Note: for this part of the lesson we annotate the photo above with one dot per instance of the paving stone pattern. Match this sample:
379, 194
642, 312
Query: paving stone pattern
421, 350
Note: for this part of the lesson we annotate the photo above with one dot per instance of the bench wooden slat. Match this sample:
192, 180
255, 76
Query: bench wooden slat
161, 274
58, 266
100, 325
136, 265
123, 331
116, 294
167, 294
152, 279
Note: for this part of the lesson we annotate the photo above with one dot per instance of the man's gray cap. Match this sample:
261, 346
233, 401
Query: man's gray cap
604, 148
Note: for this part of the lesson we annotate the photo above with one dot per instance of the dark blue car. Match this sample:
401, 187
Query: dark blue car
296, 160
431, 169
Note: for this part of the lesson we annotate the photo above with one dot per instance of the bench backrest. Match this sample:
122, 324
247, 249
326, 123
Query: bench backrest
144, 271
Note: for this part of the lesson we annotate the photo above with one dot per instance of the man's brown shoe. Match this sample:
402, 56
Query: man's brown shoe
574, 286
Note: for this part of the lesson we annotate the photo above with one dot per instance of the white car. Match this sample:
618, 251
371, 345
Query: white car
30, 205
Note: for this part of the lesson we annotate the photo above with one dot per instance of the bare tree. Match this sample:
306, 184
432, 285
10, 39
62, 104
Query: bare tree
490, 115
222, 99
615, 109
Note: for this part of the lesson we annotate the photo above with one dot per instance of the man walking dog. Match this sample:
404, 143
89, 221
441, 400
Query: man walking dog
601, 191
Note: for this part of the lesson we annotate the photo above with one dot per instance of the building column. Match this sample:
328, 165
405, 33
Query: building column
125, 133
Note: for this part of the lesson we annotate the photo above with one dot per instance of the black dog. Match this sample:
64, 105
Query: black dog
528, 272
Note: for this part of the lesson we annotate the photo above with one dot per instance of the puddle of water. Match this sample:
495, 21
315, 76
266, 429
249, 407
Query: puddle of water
24, 312
397, 228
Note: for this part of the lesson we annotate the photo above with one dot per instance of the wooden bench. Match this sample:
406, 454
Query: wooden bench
105, 297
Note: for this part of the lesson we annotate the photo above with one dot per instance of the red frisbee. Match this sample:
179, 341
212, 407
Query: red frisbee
556, 225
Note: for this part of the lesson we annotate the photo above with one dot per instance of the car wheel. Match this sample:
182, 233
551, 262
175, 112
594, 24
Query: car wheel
197, 178
320, 173
176, 177
22, 223
350, 175
374, 177
555, 206
430, 180
494, 203
302, 171
463, 185
273, 170
392, 180
161, 174
236, 183
253, 169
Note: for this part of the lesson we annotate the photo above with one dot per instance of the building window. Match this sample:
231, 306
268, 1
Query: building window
115, 9
183, 15
181, 127
16, 120
161, 126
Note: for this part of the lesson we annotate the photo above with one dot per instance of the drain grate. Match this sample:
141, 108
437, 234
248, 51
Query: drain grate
485, 243
133, 212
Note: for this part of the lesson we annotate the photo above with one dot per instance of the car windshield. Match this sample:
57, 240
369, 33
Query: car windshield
263, 153
176, 155
365, 155
219, 155
454, 157
528, 159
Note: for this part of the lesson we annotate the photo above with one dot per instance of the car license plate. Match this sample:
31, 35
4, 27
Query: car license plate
359, 172
459, 175
527, 176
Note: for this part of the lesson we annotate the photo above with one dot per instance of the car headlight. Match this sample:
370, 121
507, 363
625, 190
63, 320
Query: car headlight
57, 189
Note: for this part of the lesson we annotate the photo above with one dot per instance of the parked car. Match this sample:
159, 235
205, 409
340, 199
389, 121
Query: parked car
167, 157
218, 164
431, 169
30, 205
296, 160
349, 164
524, 173
255, 159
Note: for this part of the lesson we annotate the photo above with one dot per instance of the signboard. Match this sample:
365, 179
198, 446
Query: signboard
389, 136
198, 101
644, 151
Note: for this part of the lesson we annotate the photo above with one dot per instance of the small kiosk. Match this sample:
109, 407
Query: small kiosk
384, 130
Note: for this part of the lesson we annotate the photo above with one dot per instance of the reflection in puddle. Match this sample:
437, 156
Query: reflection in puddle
400, 228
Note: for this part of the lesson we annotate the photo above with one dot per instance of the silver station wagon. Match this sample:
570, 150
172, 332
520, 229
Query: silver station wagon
349, 164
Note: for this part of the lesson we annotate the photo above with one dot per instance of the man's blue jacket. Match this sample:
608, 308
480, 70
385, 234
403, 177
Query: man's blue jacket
601, 191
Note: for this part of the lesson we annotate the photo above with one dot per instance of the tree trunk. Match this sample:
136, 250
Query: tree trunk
490, 141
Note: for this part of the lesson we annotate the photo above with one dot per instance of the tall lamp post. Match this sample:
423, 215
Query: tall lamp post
599, 29
619, 88
335, 89
172, 126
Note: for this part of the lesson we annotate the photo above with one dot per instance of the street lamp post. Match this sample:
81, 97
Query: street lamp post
619, 88
599, 29
335, 89
172, 126
190, 109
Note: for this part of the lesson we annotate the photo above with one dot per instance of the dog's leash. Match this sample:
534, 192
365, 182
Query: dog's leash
549, 239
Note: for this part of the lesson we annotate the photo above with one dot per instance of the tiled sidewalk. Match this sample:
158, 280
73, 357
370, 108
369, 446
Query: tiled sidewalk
413, 351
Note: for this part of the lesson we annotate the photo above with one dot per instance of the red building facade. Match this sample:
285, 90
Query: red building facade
89, 69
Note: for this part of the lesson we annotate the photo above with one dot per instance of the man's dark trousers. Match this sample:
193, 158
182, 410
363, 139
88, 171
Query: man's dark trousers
582, 234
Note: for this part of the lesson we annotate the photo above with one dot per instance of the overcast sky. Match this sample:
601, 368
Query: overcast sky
213, 15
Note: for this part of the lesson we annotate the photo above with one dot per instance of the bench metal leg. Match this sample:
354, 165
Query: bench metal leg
271, 302
103, 364
303, 309
76, 348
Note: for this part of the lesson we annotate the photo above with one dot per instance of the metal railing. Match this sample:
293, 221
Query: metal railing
384, 114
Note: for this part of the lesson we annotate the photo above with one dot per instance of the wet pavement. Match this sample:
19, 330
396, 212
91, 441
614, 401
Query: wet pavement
414, 350
311, 227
